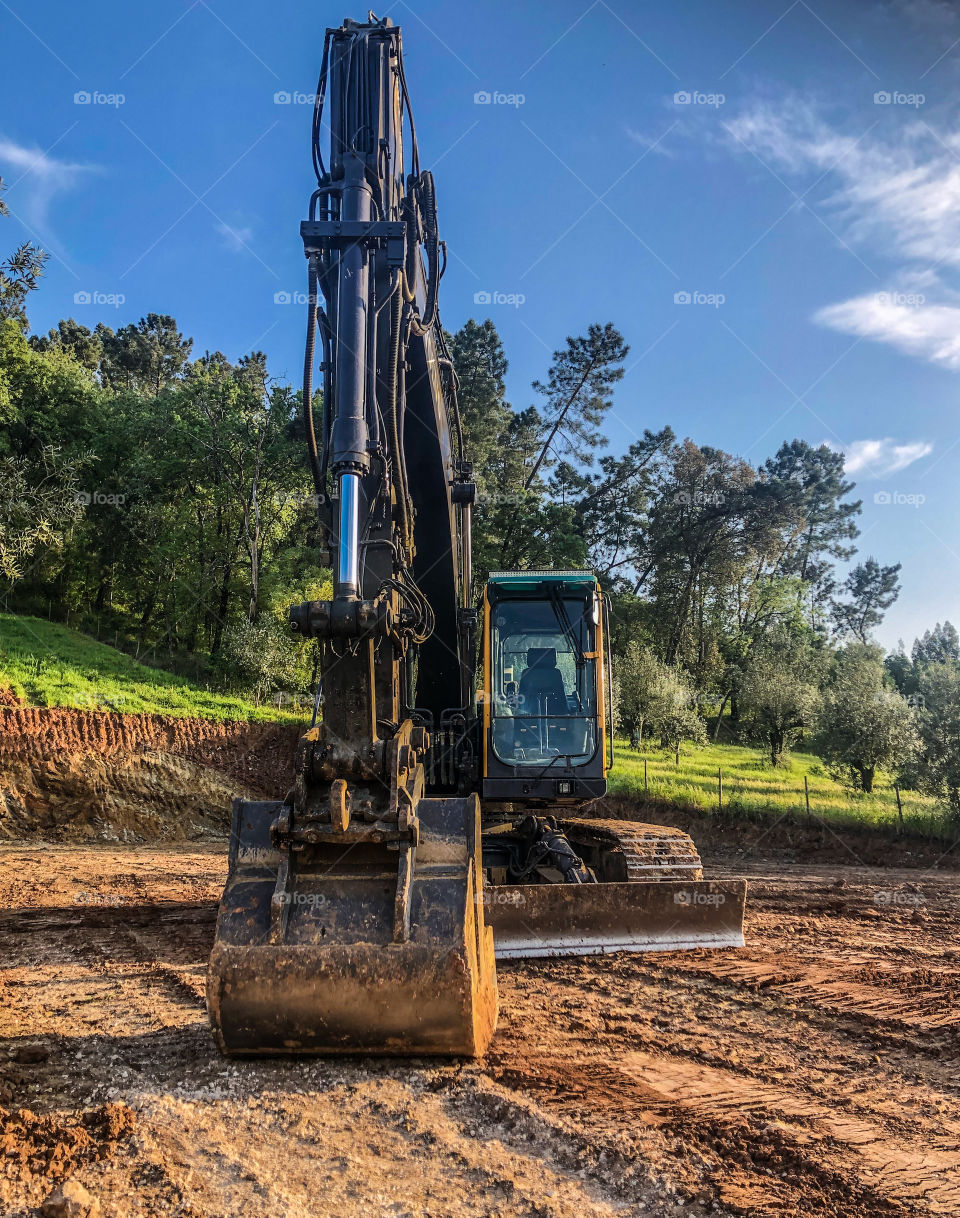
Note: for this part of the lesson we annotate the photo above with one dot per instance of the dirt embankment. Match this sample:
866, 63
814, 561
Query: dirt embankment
71, 774
732, 839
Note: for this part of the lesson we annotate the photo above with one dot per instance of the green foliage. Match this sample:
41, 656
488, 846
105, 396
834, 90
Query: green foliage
19, 275
578, 393
38, 505
864, 724
870, 589
938, 696
650, 694
780, 690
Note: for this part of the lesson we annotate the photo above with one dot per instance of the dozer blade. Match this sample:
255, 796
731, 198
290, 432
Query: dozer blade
532, 920
333, 950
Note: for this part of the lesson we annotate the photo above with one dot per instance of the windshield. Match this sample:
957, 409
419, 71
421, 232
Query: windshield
544, 681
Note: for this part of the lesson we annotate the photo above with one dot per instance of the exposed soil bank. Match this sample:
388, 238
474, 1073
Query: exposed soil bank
733, 839
72, 774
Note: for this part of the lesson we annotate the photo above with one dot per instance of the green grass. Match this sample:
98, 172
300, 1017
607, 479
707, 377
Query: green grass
753, 787
46, 664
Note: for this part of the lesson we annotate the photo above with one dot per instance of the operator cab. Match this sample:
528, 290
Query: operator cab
544, 698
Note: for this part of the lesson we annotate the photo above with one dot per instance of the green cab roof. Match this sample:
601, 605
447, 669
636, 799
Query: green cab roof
529, 579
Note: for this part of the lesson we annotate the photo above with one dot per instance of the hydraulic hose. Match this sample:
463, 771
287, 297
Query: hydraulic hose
308, 357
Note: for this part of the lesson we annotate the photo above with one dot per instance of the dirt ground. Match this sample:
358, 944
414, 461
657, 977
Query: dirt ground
814, 1072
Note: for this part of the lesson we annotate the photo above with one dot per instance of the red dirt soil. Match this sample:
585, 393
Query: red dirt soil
76, 775
811, 1074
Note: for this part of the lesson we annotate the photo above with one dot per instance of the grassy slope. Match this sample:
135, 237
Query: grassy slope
47, 664
752, 786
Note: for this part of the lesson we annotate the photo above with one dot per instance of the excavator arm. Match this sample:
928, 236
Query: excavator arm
352, 919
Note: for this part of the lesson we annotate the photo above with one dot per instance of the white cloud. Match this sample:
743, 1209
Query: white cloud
236, 236
880, 458
929, 332
33, 178
897, 193
649, 143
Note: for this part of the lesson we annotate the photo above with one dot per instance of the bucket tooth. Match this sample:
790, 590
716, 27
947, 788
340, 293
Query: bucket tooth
356, 948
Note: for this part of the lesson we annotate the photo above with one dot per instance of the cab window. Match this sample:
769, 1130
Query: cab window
544, 680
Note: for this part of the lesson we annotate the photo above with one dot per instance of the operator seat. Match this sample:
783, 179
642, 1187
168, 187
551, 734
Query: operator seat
541, 684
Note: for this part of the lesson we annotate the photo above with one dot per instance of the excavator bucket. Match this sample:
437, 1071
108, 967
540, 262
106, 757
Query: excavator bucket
354, 948
531, 920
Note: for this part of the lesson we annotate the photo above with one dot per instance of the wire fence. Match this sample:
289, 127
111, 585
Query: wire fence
888, 809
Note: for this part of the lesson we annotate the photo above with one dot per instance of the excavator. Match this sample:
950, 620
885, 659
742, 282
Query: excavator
439, 816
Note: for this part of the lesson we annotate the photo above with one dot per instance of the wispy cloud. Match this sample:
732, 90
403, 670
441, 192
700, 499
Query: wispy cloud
34, 177
897, 193
650, 143
929, 332
235, 236
880, 458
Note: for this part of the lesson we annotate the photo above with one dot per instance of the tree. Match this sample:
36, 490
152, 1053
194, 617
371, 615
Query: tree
780, 690
481, 366
870, 590
39, 503
651, 694
941, 645
939, 718
146, 357
612, 507
19, 274
812, 483
577, 392
70, 336
864, 724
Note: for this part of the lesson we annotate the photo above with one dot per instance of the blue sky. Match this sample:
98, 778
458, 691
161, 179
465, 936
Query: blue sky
763, 197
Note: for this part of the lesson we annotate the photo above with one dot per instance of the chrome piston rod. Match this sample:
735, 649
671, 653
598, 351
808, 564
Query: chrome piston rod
348, 556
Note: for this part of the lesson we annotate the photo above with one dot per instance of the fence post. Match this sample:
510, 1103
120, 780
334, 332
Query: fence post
677, 759
896, 788
806, 795
719, 789
645, 774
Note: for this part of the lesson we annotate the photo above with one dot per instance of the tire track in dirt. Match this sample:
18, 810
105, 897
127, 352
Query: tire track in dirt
812, 1073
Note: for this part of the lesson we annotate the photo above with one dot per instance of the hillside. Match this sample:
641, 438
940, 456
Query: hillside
47, 664
753, 787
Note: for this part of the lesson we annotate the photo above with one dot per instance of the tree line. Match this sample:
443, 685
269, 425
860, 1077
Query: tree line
160, 498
